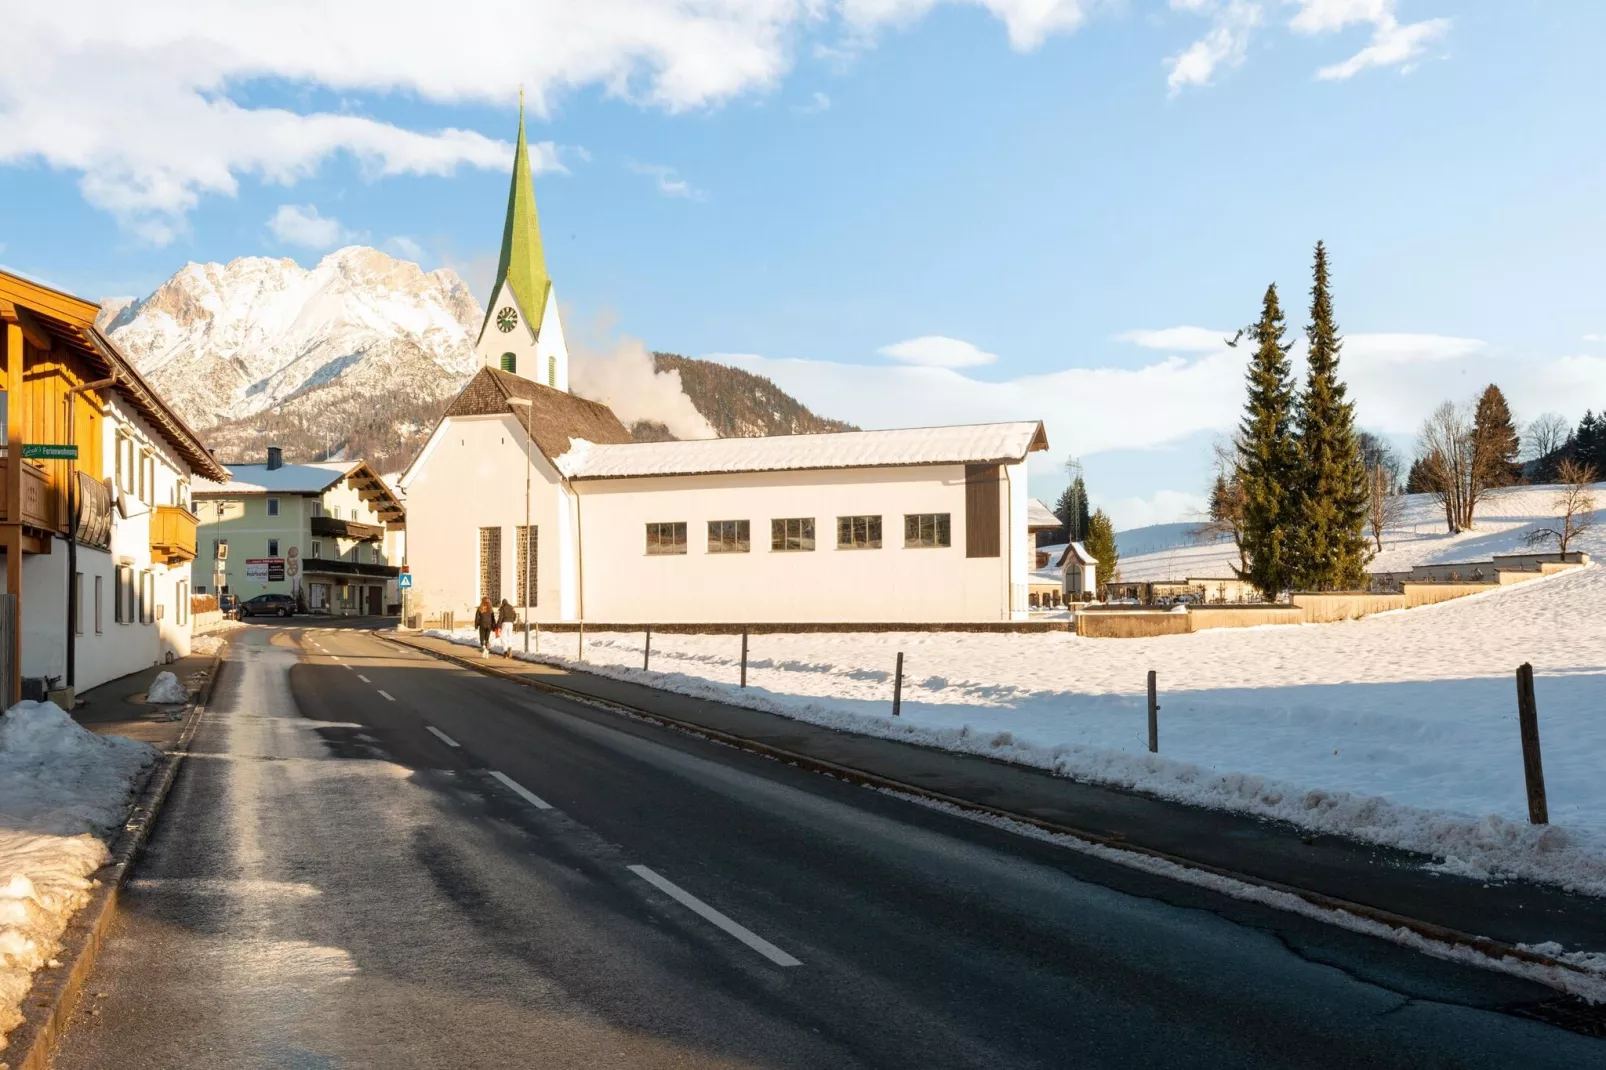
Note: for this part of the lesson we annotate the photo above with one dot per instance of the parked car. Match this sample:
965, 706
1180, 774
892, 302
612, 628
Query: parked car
268, 605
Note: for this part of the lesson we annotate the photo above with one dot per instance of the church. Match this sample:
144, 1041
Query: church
528, 493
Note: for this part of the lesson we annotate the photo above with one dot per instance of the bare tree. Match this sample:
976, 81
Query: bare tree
1576, 503
1447, 449
1544, 439
1226, 516
1385, 506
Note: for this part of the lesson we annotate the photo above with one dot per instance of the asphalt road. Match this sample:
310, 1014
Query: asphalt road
377, 859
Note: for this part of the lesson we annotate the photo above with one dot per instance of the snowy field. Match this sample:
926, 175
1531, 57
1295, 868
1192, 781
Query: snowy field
1503, 519
63, 790
1398, 729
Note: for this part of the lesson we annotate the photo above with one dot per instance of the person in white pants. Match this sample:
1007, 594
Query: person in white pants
506, 617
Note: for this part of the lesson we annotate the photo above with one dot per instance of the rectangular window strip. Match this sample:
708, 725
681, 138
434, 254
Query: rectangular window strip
795, 533
925, 530
490, 564
668, 538
529, 564
730, 536
858, 533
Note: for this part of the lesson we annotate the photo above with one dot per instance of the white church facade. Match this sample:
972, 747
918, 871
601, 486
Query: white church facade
529, 493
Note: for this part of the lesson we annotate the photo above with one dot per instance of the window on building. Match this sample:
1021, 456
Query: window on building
529, 564
181, 596
317, 548
78, 602
97, 605
273, 507
666, 538
926, 529
983, 489
147, 478
124, 610
510, 362
858, 533
147, 597
200, 588
730, 536
317, 508
552, 371
491, 564
273, 547
354, 515
796, 533
125, 463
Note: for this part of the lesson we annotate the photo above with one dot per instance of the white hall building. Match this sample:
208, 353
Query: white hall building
529, 493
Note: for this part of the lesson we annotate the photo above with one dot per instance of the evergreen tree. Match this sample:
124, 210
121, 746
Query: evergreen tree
1100, 542
1218, 499
1588, 444
1417, 482
1497, 442
1267, 453
1328, 540
1072, 510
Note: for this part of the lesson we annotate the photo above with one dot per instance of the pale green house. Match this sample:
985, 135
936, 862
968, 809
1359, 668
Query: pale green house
331, 533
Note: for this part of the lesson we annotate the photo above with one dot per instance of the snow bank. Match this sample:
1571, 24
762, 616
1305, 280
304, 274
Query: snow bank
1399, 729
63, 790
167, 689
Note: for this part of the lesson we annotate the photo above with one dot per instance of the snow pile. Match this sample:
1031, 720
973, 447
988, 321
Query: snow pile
62, 789
1504, 519
167, 690
1397, 729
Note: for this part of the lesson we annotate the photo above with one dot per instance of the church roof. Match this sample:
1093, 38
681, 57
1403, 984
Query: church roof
522, 264
1000, 443
554, 418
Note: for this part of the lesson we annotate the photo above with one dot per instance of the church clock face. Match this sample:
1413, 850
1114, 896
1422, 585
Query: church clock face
506, 319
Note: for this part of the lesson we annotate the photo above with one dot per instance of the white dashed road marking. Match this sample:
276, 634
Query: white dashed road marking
521, 791
708, 913
388, 695
442, 736
364, 679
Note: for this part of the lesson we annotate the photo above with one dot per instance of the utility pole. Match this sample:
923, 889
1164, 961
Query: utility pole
524, 538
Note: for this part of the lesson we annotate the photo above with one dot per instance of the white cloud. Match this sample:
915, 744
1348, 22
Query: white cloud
1227, 42
300, 224
406, 248
818, 102
139, 99
1161, 507
1392, 45
1177, 339
668, 181
935, 351
1587, 337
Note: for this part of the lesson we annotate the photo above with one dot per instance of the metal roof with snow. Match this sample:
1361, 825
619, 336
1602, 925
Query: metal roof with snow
1040, 516
314, 477
1000, 443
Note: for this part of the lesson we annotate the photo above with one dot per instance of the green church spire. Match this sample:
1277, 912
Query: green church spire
522, 265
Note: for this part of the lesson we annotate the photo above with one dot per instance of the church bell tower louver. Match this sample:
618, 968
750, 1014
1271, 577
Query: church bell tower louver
521, 332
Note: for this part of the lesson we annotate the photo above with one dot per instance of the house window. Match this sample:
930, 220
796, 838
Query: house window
273, 507
273, 547
147, 478
552, 371
793, 534
490, 564
666, 538
528, 564
510, 363
858, 533
147, 597
97, 604
78, 602
181, 611
125, 463
124, 609
200, 588
730, 536
925, 529
317, 508
317, 548
354, 513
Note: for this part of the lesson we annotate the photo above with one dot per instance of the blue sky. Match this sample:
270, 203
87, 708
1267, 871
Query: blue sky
904, 211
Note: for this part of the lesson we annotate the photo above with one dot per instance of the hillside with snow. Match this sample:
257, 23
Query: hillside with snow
1503, 521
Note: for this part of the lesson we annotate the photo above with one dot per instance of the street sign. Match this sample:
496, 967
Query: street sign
265, 569
405, 580
50, 451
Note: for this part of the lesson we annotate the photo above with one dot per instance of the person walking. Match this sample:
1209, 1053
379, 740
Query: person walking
485, 621
506, 617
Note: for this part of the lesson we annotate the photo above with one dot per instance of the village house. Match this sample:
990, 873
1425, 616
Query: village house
328, 533
529, 493
95, 520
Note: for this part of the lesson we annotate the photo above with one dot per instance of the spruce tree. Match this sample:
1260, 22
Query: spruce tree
1100, 542
1072, 510
1267, 454
1497, 442
1329, 547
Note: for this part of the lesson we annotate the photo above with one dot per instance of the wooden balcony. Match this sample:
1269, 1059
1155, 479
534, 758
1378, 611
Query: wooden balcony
44, 507
334, 527
172, 534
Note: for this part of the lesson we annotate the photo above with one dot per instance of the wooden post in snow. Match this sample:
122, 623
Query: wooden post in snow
897, 688
1533, 769
1154, 717
744, 655
582, 644
646, 650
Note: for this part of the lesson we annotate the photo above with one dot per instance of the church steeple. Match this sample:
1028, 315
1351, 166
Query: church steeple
521, 332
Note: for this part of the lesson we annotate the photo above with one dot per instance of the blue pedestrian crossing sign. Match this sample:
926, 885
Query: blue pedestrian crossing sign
405, 580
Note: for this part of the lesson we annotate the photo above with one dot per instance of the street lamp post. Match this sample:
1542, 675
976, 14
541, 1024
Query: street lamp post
524, 537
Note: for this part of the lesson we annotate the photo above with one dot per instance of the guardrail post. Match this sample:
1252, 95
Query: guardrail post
1533, 769
897, 687
1154, 717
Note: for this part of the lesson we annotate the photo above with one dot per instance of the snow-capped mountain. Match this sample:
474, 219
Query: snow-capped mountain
224, 342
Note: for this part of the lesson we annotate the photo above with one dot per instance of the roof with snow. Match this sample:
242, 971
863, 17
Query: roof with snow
1040, 516
315, 477
1001, 443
